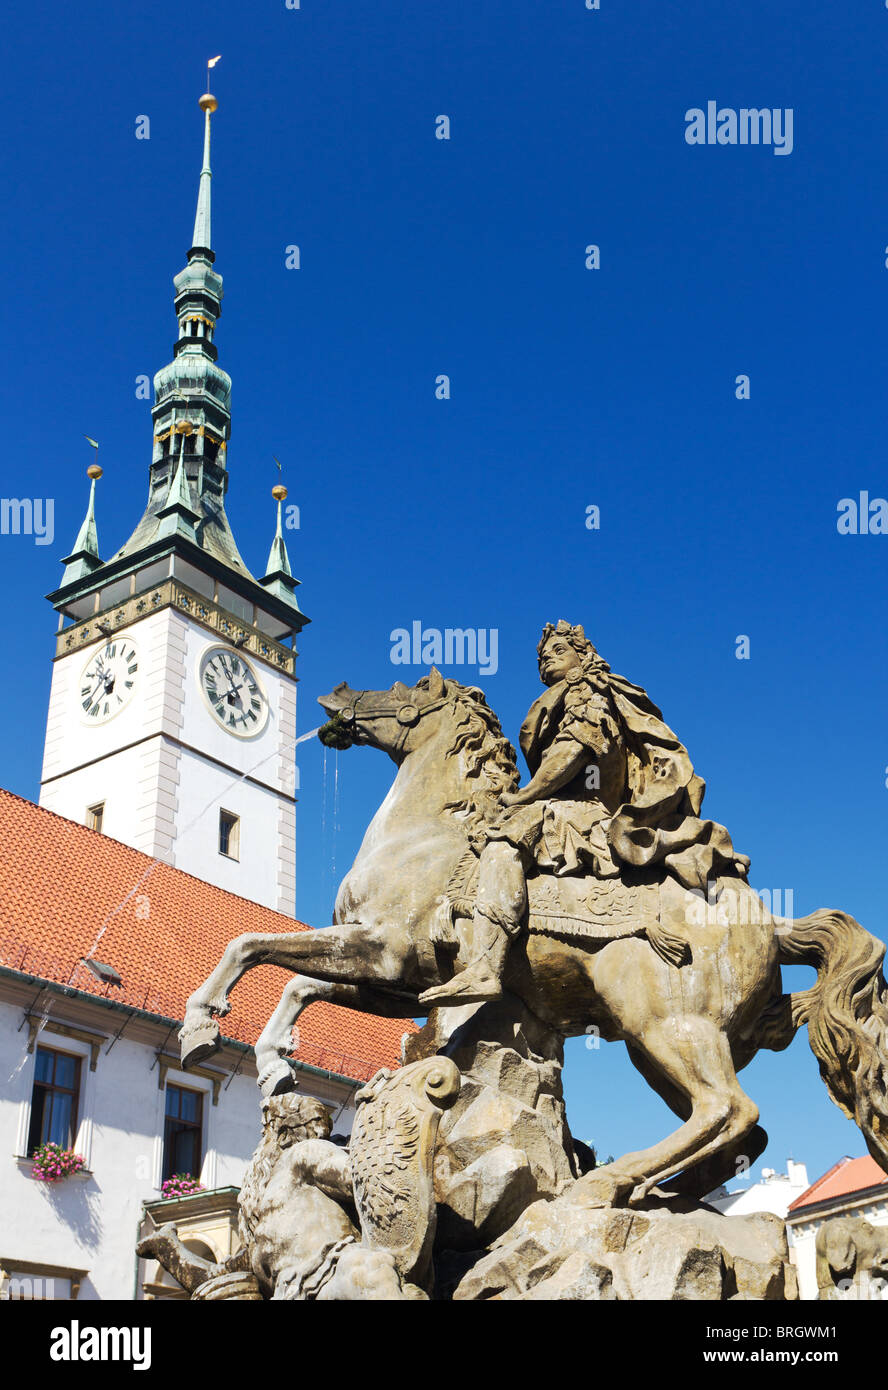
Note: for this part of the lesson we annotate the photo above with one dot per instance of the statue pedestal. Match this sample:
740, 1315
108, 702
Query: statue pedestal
504, 1143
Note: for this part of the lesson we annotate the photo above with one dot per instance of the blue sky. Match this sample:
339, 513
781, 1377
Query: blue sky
569, 387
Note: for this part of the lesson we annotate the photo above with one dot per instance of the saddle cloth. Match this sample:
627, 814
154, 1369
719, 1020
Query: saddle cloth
591, 909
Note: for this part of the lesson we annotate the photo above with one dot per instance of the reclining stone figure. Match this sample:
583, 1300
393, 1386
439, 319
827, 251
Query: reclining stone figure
297, 1220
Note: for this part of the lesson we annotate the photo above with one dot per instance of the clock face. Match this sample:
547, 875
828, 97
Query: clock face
108, 680
232, 691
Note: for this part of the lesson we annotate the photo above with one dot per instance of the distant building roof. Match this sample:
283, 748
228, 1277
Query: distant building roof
846, 1177
67, 892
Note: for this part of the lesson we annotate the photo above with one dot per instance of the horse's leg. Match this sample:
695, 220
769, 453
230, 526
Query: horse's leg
729, 1163
704, 1177
275, 1042
696, 1061
350, 953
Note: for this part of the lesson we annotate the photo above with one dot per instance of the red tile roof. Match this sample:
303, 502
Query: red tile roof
68, 892
847, 1176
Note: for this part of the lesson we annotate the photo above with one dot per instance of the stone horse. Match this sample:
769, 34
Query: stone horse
689, 1028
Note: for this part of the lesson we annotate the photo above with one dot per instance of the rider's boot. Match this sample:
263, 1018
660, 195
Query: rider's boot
482, 978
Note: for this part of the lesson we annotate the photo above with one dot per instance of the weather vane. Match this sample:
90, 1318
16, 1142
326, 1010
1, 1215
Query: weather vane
279, 492
94, 471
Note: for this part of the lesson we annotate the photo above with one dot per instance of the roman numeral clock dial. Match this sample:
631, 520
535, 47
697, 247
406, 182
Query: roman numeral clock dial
108, 680
231, 689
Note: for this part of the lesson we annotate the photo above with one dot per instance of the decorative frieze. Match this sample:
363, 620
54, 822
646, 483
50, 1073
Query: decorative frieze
172, 593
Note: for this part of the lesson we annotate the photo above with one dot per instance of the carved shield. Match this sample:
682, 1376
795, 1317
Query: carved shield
392, 1151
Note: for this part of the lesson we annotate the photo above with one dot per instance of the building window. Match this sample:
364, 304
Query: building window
229, 835
54, 1100
95, 816
182, 1149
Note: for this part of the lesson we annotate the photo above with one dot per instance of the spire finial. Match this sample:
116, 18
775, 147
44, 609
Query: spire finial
278, 559
279, 579
202, 240
84, 558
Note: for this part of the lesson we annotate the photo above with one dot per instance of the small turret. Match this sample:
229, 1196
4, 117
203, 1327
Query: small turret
279, 578
84, 558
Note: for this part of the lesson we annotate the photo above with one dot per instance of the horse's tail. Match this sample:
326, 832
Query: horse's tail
847, 1016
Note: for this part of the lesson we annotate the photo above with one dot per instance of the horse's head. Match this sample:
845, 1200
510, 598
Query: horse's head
391, 720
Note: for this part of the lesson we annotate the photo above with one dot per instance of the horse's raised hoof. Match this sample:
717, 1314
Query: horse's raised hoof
601, 1188
648, 1193
277, 1079
198, 1041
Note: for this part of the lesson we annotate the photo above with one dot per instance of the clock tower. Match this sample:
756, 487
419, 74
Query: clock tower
172, 715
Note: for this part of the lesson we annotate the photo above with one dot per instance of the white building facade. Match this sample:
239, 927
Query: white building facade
76, 1238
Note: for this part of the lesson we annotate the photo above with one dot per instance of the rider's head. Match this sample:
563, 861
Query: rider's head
563, 648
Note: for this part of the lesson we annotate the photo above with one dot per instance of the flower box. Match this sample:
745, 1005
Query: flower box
52, 1163
180, 1185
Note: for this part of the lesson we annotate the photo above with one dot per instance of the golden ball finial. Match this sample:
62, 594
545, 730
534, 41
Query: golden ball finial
208, 102
94, 472
279, 492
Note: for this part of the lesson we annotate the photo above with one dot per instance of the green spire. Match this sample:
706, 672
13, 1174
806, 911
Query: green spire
279, 577
185, 512
193, 387
84, 558
278, 559
202, 228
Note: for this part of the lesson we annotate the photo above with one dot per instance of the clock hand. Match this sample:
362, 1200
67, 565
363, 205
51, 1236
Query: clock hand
232, 688
99, 682
226, 672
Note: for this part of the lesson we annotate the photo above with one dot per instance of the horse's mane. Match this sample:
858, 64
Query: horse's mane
488, 754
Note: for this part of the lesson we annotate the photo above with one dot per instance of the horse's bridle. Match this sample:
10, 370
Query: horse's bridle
408, 715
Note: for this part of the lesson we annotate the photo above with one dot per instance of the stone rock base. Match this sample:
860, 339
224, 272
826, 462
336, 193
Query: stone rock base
669, 1248
505, 1142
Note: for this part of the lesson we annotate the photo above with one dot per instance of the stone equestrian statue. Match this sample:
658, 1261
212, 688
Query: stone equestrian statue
611, 788
584, 898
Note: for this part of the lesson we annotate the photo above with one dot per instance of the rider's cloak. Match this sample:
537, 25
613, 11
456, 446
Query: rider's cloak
659, 822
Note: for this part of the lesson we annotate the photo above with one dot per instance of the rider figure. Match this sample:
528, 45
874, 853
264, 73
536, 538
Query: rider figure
611, 786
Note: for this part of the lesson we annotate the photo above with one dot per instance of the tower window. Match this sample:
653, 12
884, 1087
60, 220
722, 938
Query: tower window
229, 835
95, 816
